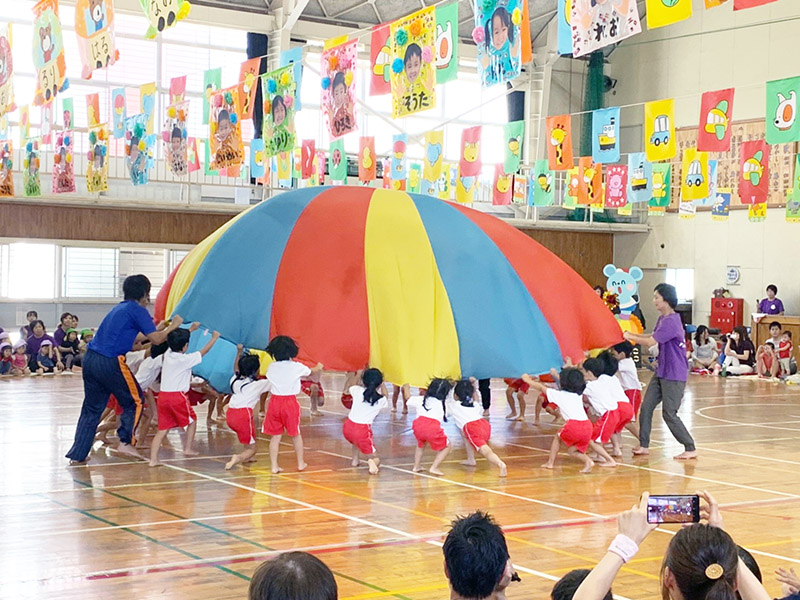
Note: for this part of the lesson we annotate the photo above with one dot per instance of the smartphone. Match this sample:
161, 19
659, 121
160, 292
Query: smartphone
673, 509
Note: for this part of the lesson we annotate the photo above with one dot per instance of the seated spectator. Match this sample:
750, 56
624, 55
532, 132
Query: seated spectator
565, 588
740, 354
767, 364
775, 329
69, 352
25, 331
476, 560
704, 354
86, 337
64, 324
34, 341
293, 576
771, 305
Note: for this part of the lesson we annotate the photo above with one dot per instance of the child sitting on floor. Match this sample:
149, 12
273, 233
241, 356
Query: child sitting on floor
6, 357
767, 364
46, 360
19, 362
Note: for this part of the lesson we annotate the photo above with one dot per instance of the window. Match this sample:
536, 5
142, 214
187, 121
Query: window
683, 280
145, 261
31, 271
175, 258
90, 272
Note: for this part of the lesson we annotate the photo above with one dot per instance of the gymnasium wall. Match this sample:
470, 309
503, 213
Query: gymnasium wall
585, 252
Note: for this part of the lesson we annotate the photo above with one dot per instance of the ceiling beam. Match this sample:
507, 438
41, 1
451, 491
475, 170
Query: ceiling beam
297, 9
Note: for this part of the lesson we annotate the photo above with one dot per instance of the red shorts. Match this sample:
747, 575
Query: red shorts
624, 415
605, 427
283, 413
174, 410
359, 435
347, 400
195, 397
577, 434
430, 431
635, 397
241, 421
517, 385
306, 384
112, 403
478, 433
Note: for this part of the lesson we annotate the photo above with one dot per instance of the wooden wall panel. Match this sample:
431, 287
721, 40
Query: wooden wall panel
585, 252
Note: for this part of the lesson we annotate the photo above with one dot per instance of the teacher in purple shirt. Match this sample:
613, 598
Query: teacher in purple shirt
771, 305
669, 382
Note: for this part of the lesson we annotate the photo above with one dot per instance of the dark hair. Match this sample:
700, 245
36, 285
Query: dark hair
157, 350
572, 380
32, 312
74, 316
770, 344
602, 291
668, 293
773, 287
625, 348
65, 315
412, 50
135, 287
610, 363
293, 576
438, 388
282, 347
275, 101
248, 366
178, 339
37, 322
176, 132
775, 324
688, 556
338, 79
595, 366
742, 331
223, 115
749, 562
475, 555
505, 18
789, 333
698, 334
372, 379
464, 391
565, 588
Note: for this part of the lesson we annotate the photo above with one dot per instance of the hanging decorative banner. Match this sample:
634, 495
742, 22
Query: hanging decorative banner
792, 207
294, 57
399, 167
31, 184
68, 112
138, 149
434, 153
319, 169
337, 167
694, 177
177, 89
590, 181
307, 159
164, 14
616, 186
666, 12
756, 213
514, 133
469, 164
176, 139
501, 190
526, 54
284, 169
63, 173
97, 166
559, 147
24, 123
446, 183
661, 185
192, 156
446, 42
541, 185
571, 188
48, 52
659, 130
754, 177
225, 130
366, 159
208, 159
387, 174
564, 13
687, 210
7, 103
742, 4
605, 145
46, 128
654, 211
414, 178
339, 88
258, 158
465, 187
783, 126
722, 205
796, 181
596, 25
297, 159
147, 104
212, 82
6, 168
714, 131
624, 211
497, 36
413, 76
712, 185
278, 91
93, 110
118, 112
248, 82
640, 178
380, 60
94, 26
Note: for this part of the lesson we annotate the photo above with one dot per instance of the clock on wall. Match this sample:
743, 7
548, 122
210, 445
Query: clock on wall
732, 275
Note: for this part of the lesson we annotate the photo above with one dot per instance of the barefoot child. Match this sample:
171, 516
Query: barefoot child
518, 388
468, 415
767, 364
147, 377
176, 379
629, 378
351, 378
368, 400
247, 391
603, 397
428, 424
624, 407
312, 387
283, 410
784, 352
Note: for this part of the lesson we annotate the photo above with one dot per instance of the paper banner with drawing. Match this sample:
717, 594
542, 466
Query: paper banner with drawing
541, 185
6, 168
413, 75
570, 199
48, 52
147, 104
337, 162
248, 86
68, 112
212, 82
446, 42
319, 165
339, 88
796, 179
625, 211
284, 169
31, 182
434, 153
564, 15
687, 210
94, 26
501, 190
414, 178
783, 126
297, 159
93, 110
307, 152
714, 130
176, 139
97, 164
177, 89
469, 165
208, 159
661, 185
659, 130
497, 36
119, 112
754, 173
590, 181
526, 54
742, 4
640, 178
63, 168
666, 12
139, 148
366, 159
399, 166
605, 142
380, 60
46, 128
654, 211
792, 207
258, 158
512, 145
596, 25
278, 91
225, 130
465, 187
756, 213
616, 186
387, 174
192, 156
294, 57
24, 123
722, 205
694, 175
163, 14
7, 103
712, 185
559, 142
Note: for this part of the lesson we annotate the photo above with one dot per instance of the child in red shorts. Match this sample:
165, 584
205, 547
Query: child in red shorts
624, 407
428, 424
176, 379
283, 410
602, 393
368, 400
518, 388
351, 378
312, 388
247, 391
474, 428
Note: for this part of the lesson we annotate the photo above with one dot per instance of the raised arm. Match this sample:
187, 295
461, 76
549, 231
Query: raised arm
537, 385
160, 336
239, 348
645, 339
207, 348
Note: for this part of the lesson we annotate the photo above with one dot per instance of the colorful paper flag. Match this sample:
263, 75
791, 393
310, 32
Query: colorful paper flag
337, 167
792, 207
147, 104
571, 189
514, 137
694, 175
754, 176
208, 159
446, 42
661, 185
783, 126
257, 158
119, 112
659, 130
541, 185
526, 54
248, 86
465, 187
366, 160
380, 54
616, 186
47, 124
399, 167
796, 180
590, 180
284, 168
212, 82
24, 124
193, 158
714, 130
714, 3
713, 172
605, 142
756, 213
307, 152
559, 142
434, 151
294, 57
742, 4
501, 190
177, 89
564, 32
624, 211
93, 109
68, 112
667, 12
469, 164
722, 205
640, 178
414, 178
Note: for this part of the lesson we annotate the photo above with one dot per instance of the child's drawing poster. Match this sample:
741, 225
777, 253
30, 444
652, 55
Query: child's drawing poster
177, 89
339, 88
48, 52
659, 130
756, 213
605, 142
564, 34
93, 110
192, 156
7, 103
541, 185
446, 42
399, 167
590, 181
782, 123
31, 182
337, 169
640, 178
434, 152
94, 26
380, 60
596, 25
714, 130
497, 36
501, 190
367, 168
512, 145
278, 91
225, 130
257, 158
754, 175
616, 186
662, 175
559, 142
118, 112
469, 165
147, 103
6, 168
694, 175
63, 169
139, 147
176, 139
307, 152
248, 86
413, 75
97, 164
722, 205
68, 111
212, 82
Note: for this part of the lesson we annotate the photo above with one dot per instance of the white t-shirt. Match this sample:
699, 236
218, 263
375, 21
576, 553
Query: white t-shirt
570, 405
133, 359
176, 372
464, 414
434, 410
628, 376
363, 412
285, 376
148, 372
247, 392
604, 394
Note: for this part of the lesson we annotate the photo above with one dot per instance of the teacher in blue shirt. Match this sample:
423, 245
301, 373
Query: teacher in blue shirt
105, 371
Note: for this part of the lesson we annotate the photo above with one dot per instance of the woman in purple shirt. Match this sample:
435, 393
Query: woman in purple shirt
34, 342
771, 305
669, 382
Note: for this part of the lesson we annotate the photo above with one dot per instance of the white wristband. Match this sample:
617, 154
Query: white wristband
624, 547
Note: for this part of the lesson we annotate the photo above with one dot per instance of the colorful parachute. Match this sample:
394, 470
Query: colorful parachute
415, 286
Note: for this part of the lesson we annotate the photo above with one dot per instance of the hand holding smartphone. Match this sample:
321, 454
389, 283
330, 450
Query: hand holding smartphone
673, 509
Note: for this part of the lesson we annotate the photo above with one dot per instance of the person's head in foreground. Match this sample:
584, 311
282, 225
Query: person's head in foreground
137, 288
293, 576
476, 560
700, 563
565, 588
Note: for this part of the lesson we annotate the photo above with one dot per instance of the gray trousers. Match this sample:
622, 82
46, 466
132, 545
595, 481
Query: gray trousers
669, 392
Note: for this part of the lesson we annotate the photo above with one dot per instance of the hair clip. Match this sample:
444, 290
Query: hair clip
714, 571
515, 576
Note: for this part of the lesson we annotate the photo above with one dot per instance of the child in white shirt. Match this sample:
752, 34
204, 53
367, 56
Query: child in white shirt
147, 377
368, 400
428, 424
474, 428
247, 391
603, 395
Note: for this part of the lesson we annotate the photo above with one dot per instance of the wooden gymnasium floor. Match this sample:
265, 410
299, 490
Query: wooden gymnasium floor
192, 530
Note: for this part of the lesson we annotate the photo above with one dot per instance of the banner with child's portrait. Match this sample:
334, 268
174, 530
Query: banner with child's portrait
278, 91
413, 76
225, 130
138, 149
339, 88
497, 37
176, 139
31, 182
97, 165
6, 168
48, 52
63, 170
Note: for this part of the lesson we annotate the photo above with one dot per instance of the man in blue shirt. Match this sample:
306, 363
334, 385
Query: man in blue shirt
105, 371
